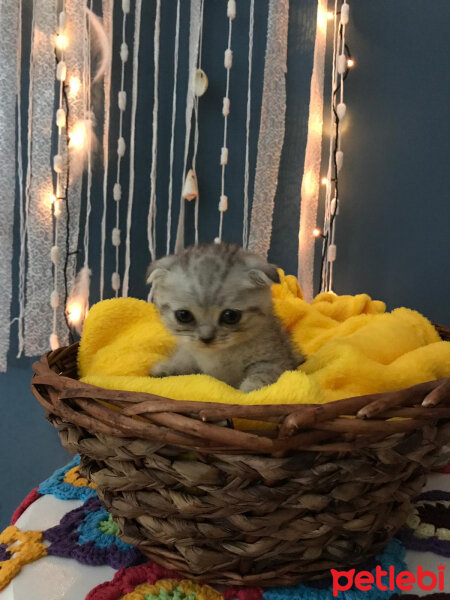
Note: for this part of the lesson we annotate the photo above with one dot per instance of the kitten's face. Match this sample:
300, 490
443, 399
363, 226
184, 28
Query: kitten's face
213, 297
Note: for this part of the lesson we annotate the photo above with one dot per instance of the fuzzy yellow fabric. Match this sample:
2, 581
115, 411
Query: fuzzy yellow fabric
352, 346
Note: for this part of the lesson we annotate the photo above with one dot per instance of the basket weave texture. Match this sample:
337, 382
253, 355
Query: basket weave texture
318, 490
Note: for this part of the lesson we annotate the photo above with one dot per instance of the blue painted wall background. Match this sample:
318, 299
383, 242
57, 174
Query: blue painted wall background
395, 210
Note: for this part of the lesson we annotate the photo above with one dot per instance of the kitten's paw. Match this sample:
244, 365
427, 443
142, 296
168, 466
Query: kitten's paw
251, 384
160, 369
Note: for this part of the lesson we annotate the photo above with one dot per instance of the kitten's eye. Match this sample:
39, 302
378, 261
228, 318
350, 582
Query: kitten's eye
230, 317
184, 316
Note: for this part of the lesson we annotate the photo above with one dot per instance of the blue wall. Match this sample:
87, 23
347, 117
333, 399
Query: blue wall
395, 211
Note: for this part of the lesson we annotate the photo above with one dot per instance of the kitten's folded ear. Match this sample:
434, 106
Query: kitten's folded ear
261, 273
158, 269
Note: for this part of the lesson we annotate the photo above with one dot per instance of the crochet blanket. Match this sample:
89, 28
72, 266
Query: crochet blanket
353, 347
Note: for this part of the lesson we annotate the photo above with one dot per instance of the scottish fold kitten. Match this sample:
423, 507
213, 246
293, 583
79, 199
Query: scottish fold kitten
216, 300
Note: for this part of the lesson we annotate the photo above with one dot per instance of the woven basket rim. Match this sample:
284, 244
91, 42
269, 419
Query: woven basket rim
143, 396
199, 425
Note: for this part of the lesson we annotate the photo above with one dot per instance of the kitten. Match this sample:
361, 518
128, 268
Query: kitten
216, 300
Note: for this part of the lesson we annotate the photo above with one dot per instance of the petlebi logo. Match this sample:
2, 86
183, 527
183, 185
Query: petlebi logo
390, 580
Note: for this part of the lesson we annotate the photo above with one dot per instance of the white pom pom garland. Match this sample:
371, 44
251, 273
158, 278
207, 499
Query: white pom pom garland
333, 207
331, 255
345, 11
341, 64
61, 71
121, 146
231, 9
54, 342
117, 192
122, 100
61, 117
57, 209
341, 109
226, 107
124, 52
62, 20
54, 255
228, 63
223, 204
224, 156
115, 281
228, 59
58, 163
115, 237
54, 299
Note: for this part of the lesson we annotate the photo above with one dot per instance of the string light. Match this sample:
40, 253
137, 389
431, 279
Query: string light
342, 63
324, 180
59, 165
61, 41
74, 313
330, 15
74, 85
78, 136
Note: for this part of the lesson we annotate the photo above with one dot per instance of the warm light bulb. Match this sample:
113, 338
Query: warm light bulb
324, 181
74, 85
61, 41
52, 198
74, 313
77, 136
317, 232
350, 63
330, 15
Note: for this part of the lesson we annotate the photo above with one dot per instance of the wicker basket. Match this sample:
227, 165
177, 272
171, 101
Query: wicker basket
317, 491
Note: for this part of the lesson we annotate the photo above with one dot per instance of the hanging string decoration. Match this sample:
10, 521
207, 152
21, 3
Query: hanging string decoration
200, 84
172, 131
313, 157
134, 99
107, 11
342, 63
189, 188
151, 222
10, 26
38, 233
121, 147
228, 62
247, 124
271, 130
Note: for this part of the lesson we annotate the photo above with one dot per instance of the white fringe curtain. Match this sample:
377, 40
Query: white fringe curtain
10, 21
194, 39
271, 130
313, 157
39, 281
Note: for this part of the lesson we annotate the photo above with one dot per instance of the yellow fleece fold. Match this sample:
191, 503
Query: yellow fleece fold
352, 345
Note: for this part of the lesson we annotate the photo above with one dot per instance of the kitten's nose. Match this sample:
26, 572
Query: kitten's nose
206, 333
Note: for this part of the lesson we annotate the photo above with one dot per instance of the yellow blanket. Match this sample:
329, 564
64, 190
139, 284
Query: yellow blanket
352, 346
